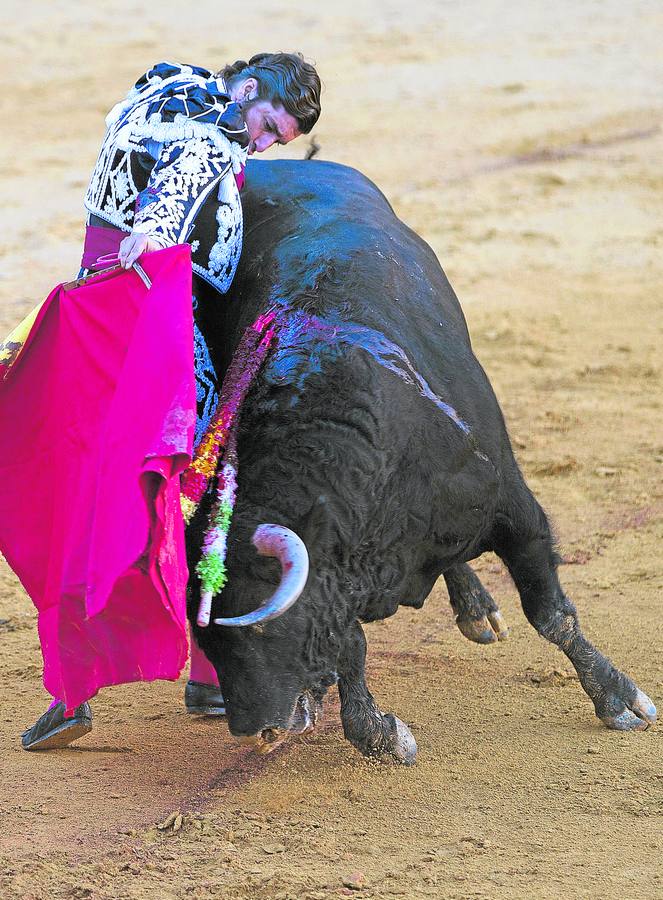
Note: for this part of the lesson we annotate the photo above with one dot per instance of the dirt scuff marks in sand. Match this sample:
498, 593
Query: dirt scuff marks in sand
524, 144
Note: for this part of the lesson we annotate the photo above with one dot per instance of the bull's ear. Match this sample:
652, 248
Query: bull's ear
284, 545
316, 523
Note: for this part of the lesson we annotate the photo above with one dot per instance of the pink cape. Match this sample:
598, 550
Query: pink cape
98, 415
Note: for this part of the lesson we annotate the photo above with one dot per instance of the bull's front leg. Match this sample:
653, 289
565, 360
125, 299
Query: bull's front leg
370, 731
477, 614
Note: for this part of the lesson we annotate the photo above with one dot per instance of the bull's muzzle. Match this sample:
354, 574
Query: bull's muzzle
302, 721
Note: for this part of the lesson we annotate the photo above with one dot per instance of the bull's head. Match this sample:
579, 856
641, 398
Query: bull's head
270, 690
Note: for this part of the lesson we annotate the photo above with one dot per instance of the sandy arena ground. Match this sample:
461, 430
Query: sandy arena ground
524, 142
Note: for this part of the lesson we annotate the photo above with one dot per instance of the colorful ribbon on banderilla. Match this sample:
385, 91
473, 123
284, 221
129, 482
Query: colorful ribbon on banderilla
217, 451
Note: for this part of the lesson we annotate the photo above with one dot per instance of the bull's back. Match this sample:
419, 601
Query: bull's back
334, 238
322, 240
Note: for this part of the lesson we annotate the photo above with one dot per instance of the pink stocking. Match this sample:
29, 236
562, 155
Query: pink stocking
202, 669
68, 713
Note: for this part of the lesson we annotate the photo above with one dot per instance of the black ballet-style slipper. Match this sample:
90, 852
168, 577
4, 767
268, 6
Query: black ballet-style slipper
204, 699
53, 731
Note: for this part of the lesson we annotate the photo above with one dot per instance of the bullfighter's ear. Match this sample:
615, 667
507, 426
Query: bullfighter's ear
248, 89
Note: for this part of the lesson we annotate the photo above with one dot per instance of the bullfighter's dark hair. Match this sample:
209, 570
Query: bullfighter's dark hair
285, 79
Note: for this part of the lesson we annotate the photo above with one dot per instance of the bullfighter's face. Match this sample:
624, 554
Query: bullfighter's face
268, 124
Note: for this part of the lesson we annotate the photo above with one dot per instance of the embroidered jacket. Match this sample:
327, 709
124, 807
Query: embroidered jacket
167, 167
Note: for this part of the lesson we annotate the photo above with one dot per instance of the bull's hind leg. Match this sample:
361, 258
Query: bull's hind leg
370, 731
477, 614
527, 550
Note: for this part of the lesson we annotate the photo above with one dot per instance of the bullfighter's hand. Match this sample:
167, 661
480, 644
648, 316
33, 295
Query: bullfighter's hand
133, 246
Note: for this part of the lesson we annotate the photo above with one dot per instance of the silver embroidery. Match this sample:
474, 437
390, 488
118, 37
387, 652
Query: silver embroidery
193, 157
224, 255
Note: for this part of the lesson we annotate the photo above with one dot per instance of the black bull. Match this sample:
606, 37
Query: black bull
374, 434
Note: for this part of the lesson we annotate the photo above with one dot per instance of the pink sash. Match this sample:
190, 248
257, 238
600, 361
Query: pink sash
100, 241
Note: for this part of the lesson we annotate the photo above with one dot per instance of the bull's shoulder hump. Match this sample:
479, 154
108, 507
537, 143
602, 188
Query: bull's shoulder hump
330, 231
329, 206
295, 182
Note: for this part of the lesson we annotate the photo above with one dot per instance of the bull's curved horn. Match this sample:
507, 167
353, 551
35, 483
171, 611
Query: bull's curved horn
290, 550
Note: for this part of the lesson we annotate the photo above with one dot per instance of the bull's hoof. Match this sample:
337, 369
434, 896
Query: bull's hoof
402, 745
487, 630
391, 739
635, 715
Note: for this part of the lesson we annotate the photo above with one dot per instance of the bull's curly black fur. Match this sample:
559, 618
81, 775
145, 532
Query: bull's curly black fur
387, 491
